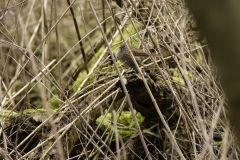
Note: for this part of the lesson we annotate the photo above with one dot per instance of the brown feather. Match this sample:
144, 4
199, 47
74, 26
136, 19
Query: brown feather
138, 52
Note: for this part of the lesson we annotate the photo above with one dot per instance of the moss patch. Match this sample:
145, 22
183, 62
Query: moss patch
125, 123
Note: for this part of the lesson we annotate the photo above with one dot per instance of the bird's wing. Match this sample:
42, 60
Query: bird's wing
138, 52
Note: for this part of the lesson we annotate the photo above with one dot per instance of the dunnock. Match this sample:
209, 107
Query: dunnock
125, 58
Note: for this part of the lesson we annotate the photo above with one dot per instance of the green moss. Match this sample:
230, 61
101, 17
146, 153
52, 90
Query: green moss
54, 102
40, 110
126, 124
208, 123
128, 32
192, 77
36, 114
179, 80
105, 122
218, 143
7, 114
177, 77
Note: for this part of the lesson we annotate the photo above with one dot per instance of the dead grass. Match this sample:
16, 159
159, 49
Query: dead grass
42, 67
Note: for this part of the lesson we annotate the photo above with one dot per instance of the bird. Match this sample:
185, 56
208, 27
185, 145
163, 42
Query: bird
125, 57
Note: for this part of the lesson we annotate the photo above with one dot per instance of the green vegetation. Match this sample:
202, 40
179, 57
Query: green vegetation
125, 123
